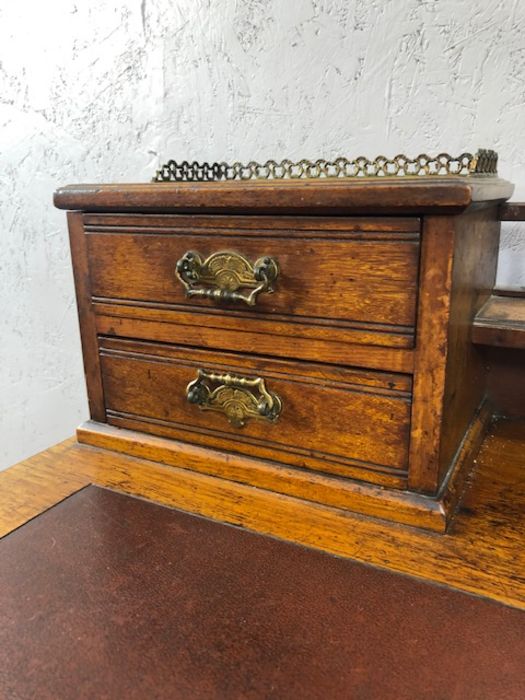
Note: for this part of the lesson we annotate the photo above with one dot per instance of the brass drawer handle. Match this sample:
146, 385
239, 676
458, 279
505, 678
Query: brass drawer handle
233, 396
223, 274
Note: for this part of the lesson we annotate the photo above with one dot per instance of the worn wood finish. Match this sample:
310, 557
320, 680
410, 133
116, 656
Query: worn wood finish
234, 320
337, 417
501, 322
345, 494
86, 316
295, 226
373, 498
366, 278
159, 325
390, 289
431, 352
512, 211
473, 277
458, 270
400, 196
482, 552
506, 380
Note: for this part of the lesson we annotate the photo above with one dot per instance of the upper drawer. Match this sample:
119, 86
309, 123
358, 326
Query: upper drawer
351, 273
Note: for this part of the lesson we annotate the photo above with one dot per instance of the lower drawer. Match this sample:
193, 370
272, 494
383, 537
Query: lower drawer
337, 420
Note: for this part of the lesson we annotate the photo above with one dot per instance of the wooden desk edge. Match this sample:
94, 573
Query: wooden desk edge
476, 556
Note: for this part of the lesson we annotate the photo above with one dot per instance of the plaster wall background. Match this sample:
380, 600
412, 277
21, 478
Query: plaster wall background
92, 90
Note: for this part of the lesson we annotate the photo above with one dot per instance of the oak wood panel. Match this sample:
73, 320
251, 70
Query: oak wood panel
88, 334
431, 351
512, 211
285, 327
295, 226
371, 280
358, 496
448, 387
368, 499
241, 340
329, 196
338, 418
506, 380
482, 553
473, 277
501, 322
263, 457
382, 382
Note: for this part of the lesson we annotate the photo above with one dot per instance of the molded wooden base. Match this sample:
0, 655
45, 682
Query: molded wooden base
397, 506
482, 551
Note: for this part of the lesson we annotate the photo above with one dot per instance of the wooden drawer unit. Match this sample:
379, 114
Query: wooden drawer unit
310, 338
335, 420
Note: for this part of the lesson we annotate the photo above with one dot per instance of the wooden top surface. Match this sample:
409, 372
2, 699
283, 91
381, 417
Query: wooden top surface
482, 553
513, 211
403, 195
501, 322
108, 596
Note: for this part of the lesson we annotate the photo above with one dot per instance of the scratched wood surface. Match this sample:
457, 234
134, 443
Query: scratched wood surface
335, 196
365, 423
368, 277
501, 322
482, 553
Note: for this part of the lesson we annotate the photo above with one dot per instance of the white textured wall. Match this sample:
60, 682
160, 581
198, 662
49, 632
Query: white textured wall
104, 91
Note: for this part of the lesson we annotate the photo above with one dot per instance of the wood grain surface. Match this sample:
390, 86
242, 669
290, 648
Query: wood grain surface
501, 322
86, 315
322, 196
359, 290
482, 553
369, 278
317, 343
339, 416
512, 211
473, 277
437, 254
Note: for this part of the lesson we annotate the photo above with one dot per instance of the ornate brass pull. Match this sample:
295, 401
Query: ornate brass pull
233, 396
225, 274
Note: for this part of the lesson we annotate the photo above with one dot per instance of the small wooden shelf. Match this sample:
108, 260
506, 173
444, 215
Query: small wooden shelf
512, 211
501, 321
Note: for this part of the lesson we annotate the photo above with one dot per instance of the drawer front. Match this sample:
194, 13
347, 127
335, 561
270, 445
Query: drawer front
330, 279
346, 422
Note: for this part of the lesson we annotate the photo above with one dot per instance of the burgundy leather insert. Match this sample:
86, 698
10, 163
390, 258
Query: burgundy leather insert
108, 596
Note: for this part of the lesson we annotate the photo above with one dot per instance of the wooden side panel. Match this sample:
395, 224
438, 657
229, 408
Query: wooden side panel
437, 251
474, 275
458, 267
330, 420
88, 332
506, 380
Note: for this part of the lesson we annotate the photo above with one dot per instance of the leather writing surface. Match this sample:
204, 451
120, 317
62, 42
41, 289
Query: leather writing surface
108, 596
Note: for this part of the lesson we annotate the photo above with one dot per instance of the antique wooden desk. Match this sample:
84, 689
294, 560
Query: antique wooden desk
313, 361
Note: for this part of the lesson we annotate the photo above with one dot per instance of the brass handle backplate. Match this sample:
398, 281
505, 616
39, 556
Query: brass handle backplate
239, 398
223, 275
